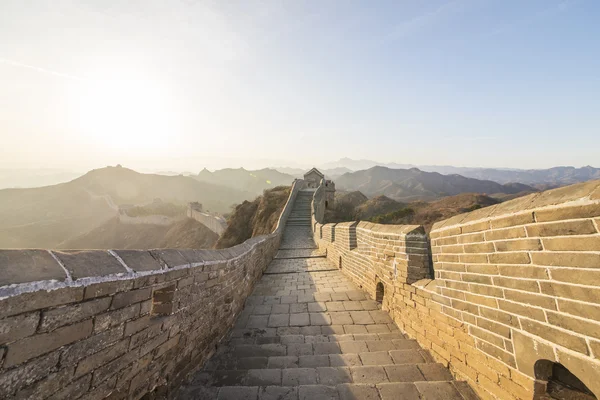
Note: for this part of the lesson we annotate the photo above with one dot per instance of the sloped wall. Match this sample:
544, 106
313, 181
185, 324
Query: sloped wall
514, 283
92, 323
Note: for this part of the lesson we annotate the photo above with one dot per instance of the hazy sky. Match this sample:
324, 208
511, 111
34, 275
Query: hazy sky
184, 84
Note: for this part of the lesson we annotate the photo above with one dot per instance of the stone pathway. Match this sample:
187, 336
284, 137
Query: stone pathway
308, 333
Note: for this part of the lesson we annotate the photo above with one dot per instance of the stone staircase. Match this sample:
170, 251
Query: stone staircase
308, 333
300, 215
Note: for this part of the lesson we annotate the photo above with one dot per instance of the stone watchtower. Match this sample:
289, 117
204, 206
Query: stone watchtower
313, 179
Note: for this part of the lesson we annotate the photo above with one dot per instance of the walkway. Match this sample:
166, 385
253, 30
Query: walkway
307, 332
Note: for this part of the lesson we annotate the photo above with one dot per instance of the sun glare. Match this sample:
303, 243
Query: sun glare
126, 114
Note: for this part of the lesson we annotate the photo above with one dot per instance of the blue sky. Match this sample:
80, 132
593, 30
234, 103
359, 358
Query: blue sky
184, 84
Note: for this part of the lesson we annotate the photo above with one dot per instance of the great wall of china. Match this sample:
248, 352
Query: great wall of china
499, 303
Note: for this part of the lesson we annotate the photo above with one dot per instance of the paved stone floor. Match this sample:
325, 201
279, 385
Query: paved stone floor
307, 332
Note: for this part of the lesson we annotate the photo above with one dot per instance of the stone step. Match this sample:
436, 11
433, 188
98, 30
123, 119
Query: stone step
345, 391
228, 361
398, 352
389, 337
317, 370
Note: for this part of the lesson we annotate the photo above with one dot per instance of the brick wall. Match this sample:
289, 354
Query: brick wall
514, 283
86, 324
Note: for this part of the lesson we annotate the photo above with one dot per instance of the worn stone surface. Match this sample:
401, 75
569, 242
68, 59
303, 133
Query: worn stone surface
330, 341
20, 266
86, 263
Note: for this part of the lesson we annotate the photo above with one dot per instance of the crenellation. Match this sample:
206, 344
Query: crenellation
524, 266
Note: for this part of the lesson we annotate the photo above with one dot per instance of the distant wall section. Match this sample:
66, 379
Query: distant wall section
215, 223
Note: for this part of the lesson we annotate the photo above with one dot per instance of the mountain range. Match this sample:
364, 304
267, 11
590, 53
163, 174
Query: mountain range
414, 184
555, 176
254, 181
45, 217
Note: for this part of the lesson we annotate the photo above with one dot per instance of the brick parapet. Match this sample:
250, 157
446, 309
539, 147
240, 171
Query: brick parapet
125, 322
514, 283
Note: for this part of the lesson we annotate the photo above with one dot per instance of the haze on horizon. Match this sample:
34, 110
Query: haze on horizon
185, 84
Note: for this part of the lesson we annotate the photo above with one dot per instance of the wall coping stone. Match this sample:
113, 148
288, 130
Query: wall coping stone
573, 195
79, 268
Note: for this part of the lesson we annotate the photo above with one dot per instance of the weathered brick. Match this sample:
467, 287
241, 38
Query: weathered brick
136, 325
504, 234
154, 343
554, 335
585, 243
584, 327
113, 318
473, 258
502, 317
580, 309
486, 335
570, 212
107, 288
563, 228
567, 291
488, 269
531, 298
57, 317
519, 271
518, 391
101, 391
48, 386
39, 300
166, 346
509, 258
107, 370
519, 284
441, 233
481, 300
74, 390
492, 326
36, 345
497, 353
486, 247
575, 275
470, 238
524, 310
18, 327
513, 220
124, 299
486, 290
577, 259
91, 345
445, 241
519, 245
477, 227
17, 378
96, 360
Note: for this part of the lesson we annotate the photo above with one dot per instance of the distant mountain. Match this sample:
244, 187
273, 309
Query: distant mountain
414, 184
376, 206
47, 216
556, 176
427, 213
354, 199
184, 234
241, 179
